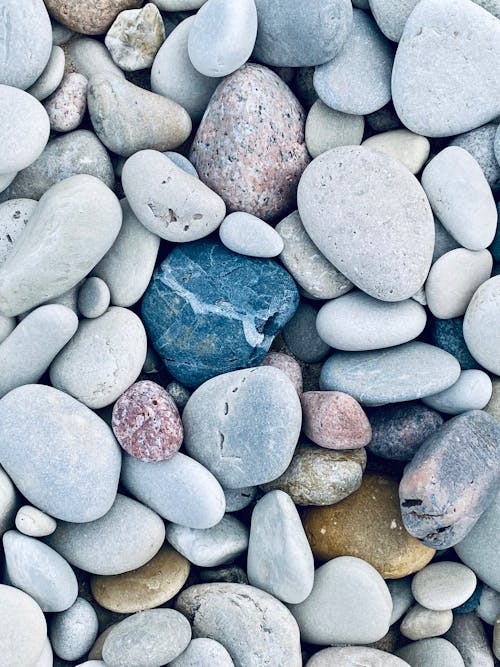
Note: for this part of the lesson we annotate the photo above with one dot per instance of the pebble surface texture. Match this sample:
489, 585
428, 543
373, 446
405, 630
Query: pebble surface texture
90, 17
24, 627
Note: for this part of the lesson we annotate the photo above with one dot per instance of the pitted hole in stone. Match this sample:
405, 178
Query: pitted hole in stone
411, 503
221, 441
226, 408
198, 216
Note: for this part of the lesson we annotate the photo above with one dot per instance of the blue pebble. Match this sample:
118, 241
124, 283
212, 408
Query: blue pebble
209, 311
472, 603
448, 335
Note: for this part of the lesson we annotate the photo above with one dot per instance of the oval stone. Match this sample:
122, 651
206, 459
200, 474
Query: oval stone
31, 521
385, 252
409, 148
51, 76
353, 656
88, 16
67, 105
443, 585
471, 391
301, 336
422, 623
480, 143
72, 632
431, 652
203, 651
248, 235
24, 628
327, 128
93, 298
481, 325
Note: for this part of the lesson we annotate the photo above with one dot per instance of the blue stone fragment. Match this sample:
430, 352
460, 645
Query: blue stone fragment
209, 311
449, 336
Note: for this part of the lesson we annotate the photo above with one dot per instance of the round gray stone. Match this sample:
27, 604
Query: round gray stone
33, 522
51, 76
402, 597
238, 499
392, 16
93, 298
423, 623
481, 325
73, 632
489, 605
443, 585
8, 502
354, 656
409, 148
24, 629
327, 128
203, 652
14, 216
301, 337
248, 235
471, 391
480, 143
431, 652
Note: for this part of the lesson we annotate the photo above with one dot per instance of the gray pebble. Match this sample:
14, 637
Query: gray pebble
238, 499
93, 298
24, 629
409, 148
203, 652
7, 326
179, 5
471, 391
66, 106
33, 522
483, 315
384, 120
46, 658
468, 636
51, 76
402, 597
90, 57
179, 393
391, 17
422, 623
444, 241
231, 574
480, 144
73, 632
248, 235
327, 128
6, 180
182, 162
301, 337
354, 656
8, 502
431, 652
60, 33
14, 216
443, 585
489, 605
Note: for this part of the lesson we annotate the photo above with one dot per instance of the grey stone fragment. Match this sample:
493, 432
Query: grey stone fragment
73, 632
203, 652
8, 502
402, 597
483, 315
468, 636
51, 76
444, 241
33, 522
182, 162
327, 128
93, 298
238, 499
489, 605
391, 17
480, 143
431, 652
301, 336
135, 37
423, 623
24, 629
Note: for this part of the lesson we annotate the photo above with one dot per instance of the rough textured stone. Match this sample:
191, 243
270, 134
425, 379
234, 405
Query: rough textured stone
422, 623
290, 367
51, 76
135, 37
480, 143
480, 328
301, 336
91, 17
72, 632
248, 235
448, 335
350, 656
66, 106
235, 150
367, 525
451, 481
431, 652
471, 391
468, 636
388, 260
409, 148
327, 128
235, 304
33, 522
24, 629
203, 652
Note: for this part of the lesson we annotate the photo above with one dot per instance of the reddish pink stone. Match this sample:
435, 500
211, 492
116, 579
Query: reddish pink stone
146, 422
334, 420
287, 364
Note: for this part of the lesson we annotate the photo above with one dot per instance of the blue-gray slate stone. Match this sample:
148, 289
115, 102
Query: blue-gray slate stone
449, 336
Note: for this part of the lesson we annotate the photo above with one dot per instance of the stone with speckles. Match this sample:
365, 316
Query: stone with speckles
287, 364
66, 106
90, 17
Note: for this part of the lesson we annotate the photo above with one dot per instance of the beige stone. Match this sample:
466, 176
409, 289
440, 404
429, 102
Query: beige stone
91, 17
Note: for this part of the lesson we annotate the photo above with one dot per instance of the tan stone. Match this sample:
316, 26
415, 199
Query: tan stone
91, 17
96, 650
147, 587
368, 525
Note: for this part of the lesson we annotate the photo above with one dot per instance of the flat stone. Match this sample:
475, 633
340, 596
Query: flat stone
244, 426
181, 490
457, 458
443, 585
327, 128
33, 522
409, 148
483, 315
367, 525
24, 628
422, 623
89, 57
290, 367
251, 624
312, 271
448, 335
402, 597
135, 37
301, 336
298, 34
471, 391
468, 636
388, 260
235, 150
203, 652
51, 76
26, 43
480, 143
351, 656
62, 457
455, 36
350, 603
73, 632
169, 202
358, 79
319, 476
245, 234
392, 375
67, 105
88, 16
39, 571
240, 304
150, 638
431, 652
146, 587
125, 538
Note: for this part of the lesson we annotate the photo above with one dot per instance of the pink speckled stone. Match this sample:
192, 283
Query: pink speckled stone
287, 364
250, 145
66, 106
334, 420
146, 422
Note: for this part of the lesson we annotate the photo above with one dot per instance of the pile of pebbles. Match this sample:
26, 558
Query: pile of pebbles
249, 333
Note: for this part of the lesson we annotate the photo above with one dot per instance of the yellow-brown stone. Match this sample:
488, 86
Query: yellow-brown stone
147, 587
367, 524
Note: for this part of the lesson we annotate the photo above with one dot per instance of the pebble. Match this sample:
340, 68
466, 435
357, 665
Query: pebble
298, 34
182, 162
448, 335
280, 560
213, 546
456, 459
480, 143
46, 658
409, 148
169, 202
93, 298
128, 265
352, 656
422, 623
489, 605
334, 420
391, 17
241, 303
244, 426
33, 522
66, 106
349, 604
479, 549
135, 37
62, 457
89, 57
173, 74
235, 150
399, 430
452, 181
28, 351
358, 322
431, 652
426, 97
146, 587
444, 241
326, 128
301, 336
39, 571
222, 36
471, 391
367, 525
24, 129
247, 235
51, 76
254, 627
125, 538
483, 315
181, 490
358, 79
6, 180
319, 476
147, 639
468, 636
24, 629
78, 217
146, 422
78, 152
203, 652
493, 406
179, 393
290, 367
232, 574
8, 502
392, 375
238, 499
73, 632
87, 16
385, 252
303, 260
26, 44
402, 597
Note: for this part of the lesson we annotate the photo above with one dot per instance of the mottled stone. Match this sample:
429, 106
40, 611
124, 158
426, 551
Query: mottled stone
51, 76
326, 128
135, 37
450, 481
367, 525
72, 632
301, 336
66, 106
480, 328
471, 391
468, 636
431, 652
235, 150
33, 522
448, 335
179, 393
203, 652
230, 574
238, 499
91, 17
423, 623
24, 629
351, 656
